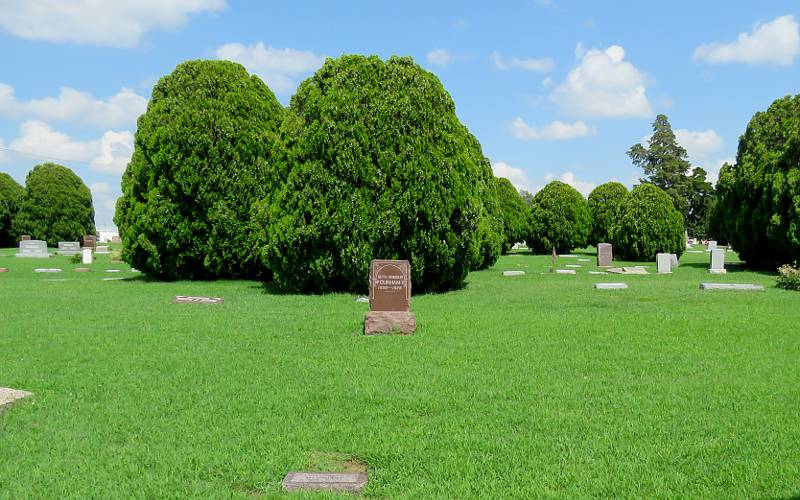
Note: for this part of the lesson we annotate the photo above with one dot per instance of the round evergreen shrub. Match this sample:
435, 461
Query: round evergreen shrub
514, 212
604, 203
374, 163
490, 227
758, 205
10, 197
199, 163
647, 223
56, 206
559, 218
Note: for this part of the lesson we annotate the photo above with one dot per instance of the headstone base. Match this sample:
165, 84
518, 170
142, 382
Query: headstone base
718, 271
378, 322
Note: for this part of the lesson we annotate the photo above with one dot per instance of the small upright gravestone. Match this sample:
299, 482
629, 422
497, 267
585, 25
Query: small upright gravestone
87, 255
89, 241
604, 255
33, 248
663, 263
717, 262
69, 248
389, 298
25, 237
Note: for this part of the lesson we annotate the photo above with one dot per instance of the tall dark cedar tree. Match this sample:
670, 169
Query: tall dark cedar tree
10, 198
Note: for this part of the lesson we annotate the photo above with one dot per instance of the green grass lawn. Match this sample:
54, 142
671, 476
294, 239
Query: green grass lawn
535, 385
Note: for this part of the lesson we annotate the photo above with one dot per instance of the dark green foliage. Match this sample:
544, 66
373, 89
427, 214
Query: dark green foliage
701, 199
514, 211
373, 164
758, 208
559, 217
199, 164
56, 206
647, 224
490, 227
604, 203
10, 197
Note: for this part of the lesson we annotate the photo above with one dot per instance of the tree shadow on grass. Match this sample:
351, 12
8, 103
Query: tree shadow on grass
732, 268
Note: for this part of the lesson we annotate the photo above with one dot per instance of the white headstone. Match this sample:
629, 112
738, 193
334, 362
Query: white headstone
717, 261
663, 263
565, 271
69, 248
33, 248
513, 273
610, 286
87, 255
712, 245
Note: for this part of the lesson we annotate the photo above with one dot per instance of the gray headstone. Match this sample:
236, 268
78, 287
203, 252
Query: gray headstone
584, 260
565, 271
598, 272
353, 482
69, 248
11, 396
605, 256
610, 286
87, 255
694, 251
513, 273
731, 286
712, 245
569, 256
663, 263
33, 248
673, 260
572, 265
717, 261
46, 270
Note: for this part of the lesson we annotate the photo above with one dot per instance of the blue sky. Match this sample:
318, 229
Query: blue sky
552, 89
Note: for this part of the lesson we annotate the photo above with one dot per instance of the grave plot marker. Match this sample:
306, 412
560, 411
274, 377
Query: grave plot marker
188, 299
353, 482
389, 298
513, 273
10, 396
605, 255
68, 248
33, 248
717, 262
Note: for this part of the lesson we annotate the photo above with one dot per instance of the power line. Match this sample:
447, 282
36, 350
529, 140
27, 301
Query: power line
51, 158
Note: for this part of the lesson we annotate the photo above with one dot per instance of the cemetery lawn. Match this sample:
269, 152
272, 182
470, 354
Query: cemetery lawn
534, 385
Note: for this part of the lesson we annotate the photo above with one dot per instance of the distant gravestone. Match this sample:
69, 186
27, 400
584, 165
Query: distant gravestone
47, 270
663, 263
353, 482
3, 269
116, 239
389, 298
33, 248
604, 255
25, 237
513, 273
81, 269
87, 255
712, 245
102, 250
10, 396
69, 248
610, 286
673, 260
572, 265
188, 299
89, 241
717, 261
565, 271
598, 272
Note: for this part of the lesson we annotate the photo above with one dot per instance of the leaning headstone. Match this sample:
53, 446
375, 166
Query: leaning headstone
69, 248
513, 273
87, 255
89, 241
389, 298
610, 286
25, 237
712, 245
717, 262
673, 260
33, 248
102, 250
353, 482
10, 396
731, 286
604, 255
663, 263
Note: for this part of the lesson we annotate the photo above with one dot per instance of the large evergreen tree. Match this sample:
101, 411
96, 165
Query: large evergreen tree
56, 206
514, 212
10, 197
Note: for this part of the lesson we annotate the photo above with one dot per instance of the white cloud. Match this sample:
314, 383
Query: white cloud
552, 132
604, 84
119, 23
583, 187
700, 145
539, 65
73, 105
774, 42
110, 204
517, 176
110, 154
277, 67
99, 188
439, 57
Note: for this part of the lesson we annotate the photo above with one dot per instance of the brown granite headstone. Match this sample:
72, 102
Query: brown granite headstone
89, 241
25, 237
605, 257
389, 298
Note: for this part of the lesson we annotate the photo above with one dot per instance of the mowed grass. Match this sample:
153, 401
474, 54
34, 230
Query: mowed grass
525, 386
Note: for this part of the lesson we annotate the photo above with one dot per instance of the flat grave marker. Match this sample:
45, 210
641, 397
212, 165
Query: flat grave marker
610, 286
568, 256
572, 265
584, 260
513, 273
598, 272
353, 482
113, 270
565, 271
189, 299
113, 279
82, 269
10, 396
389, 298
731, 286
47, 270
3, 269
628, 270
